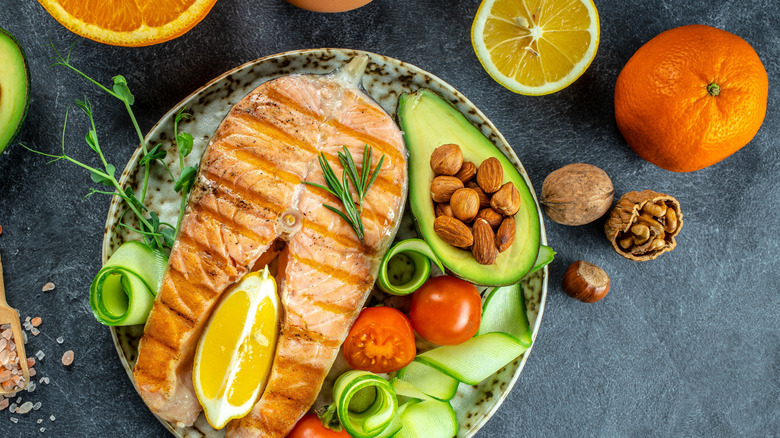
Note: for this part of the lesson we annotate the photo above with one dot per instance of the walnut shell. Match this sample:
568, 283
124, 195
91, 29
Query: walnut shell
630, 211
577, 194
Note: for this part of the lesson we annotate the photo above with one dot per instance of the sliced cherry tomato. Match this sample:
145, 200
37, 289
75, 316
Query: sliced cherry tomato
310, 426
446, 310
380, 341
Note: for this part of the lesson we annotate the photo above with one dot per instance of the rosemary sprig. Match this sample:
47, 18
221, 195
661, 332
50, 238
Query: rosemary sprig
361, 182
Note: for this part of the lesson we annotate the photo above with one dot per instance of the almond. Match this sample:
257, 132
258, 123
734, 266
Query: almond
453, 231
490, 175
506, 200
505, 234
443, 210
467, 172
484, 249
484, 201
442, 188
490, 215
446, 159
465, 204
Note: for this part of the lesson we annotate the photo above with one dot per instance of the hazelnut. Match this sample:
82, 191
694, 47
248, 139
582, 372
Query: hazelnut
490, 175
576, 194
465, 204
442, 188
446, 159
586, 282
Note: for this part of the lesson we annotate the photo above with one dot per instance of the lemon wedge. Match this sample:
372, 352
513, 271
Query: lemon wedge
535, 47
236, 350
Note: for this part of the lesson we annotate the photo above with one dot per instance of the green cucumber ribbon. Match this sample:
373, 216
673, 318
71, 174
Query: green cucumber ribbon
123, 291
409, 271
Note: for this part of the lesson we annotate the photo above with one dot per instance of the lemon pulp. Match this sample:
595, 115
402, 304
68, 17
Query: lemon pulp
236, 350
535, 46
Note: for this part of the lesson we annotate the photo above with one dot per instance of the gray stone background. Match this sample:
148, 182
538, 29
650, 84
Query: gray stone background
686, 345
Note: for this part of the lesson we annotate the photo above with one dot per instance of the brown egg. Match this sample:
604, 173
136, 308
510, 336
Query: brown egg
329, 5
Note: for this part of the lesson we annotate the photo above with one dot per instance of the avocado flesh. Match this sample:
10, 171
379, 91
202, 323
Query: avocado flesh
14, 88
429, 122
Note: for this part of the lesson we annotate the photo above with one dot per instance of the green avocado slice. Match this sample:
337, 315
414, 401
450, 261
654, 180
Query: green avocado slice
428, 121
14, 88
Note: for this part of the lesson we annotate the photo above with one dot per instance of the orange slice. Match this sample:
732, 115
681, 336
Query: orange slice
535, 46
128, 22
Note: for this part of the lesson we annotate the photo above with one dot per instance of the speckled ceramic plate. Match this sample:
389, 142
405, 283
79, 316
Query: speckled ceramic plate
385, 79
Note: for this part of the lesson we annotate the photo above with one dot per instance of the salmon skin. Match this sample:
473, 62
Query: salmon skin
249, 204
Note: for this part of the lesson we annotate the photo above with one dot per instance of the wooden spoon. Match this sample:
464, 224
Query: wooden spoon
9, 315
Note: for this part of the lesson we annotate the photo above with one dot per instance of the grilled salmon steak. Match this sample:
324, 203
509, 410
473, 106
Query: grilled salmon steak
249, 204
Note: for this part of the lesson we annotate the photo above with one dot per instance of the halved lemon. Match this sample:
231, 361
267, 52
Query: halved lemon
535, 47
236, 350
128, 22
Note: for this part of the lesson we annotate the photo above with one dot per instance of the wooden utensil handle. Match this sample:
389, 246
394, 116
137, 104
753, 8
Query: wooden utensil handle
2, 284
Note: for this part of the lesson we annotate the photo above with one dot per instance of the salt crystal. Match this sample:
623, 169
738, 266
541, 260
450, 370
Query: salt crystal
7, 333
14, 420
12, 409
48, 286
35, 331
39, 421
5, 326
30, 362
36, 321
60, 340
37, 405
31, 387
25, 408
3, 343
19, 400
39, 354
51, 418
3, 404
67, 358
43, 429
45, 380
27, 319
33, 372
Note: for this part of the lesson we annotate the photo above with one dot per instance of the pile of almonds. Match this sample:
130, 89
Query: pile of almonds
474, 207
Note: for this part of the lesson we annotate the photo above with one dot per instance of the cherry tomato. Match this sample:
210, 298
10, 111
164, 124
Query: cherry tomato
310, 426
446, 311
380, 341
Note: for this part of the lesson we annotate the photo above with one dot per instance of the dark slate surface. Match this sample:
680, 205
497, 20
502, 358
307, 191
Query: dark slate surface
683, 345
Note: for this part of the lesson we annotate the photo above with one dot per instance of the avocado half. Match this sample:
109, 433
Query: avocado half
14, 88
428, 121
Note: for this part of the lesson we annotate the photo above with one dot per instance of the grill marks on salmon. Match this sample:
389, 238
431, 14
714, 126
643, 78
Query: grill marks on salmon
250, 176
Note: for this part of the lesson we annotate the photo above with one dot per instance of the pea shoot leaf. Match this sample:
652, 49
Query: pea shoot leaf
186, 179
156, 153
101, 178
121, 89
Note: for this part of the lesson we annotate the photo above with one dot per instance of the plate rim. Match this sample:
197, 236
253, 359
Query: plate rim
134, 158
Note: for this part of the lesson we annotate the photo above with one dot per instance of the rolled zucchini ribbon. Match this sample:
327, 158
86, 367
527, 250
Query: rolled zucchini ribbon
123, 291
416, 271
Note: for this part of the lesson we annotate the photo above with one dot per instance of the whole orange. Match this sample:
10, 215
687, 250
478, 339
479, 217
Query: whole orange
691, 97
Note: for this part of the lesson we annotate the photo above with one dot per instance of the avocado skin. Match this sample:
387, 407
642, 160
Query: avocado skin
429, 121
15, 88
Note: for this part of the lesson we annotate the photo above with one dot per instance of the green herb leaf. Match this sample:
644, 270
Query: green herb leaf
184, 141
157, 153
92, 141
186, 179
121, 89
169, 234
340, 189
104, 178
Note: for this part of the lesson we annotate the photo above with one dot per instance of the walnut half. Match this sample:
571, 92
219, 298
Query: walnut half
642, 225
